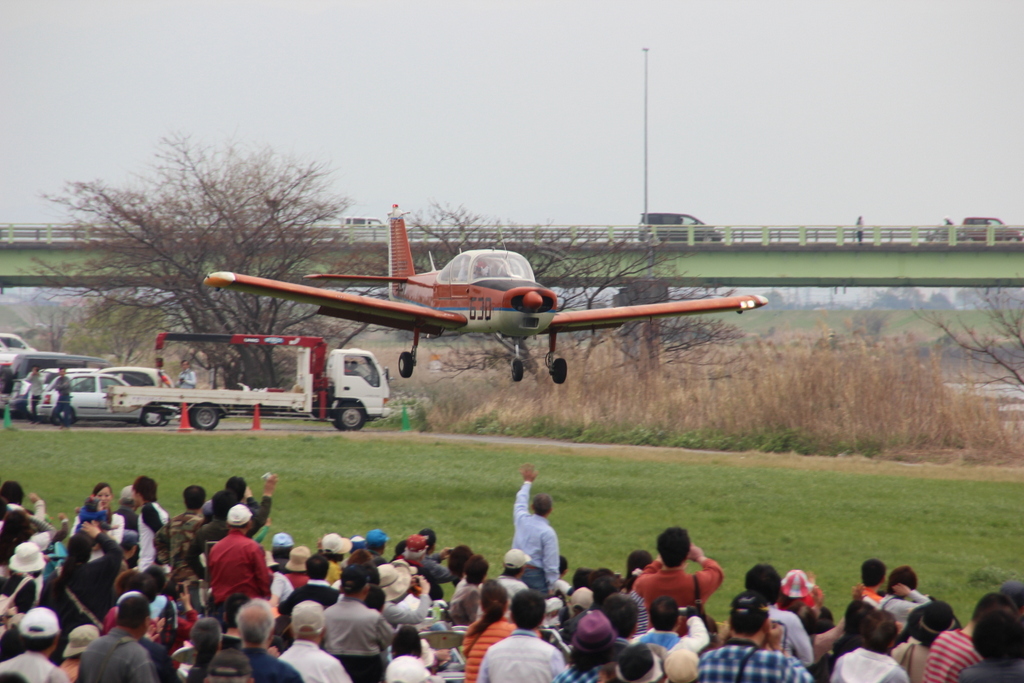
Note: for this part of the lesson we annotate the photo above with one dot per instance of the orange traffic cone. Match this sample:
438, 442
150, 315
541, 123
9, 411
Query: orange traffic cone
256, 418
184, 426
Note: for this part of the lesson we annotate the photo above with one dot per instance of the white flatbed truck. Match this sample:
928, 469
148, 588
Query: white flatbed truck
347, 387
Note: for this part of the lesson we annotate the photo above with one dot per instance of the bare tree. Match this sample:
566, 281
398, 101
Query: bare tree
998, 348
122, 332
52, 324
201, 209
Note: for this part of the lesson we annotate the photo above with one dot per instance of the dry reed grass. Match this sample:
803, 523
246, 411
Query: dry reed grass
800, 396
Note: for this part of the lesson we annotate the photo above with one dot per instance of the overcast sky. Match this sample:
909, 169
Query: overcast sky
761, 112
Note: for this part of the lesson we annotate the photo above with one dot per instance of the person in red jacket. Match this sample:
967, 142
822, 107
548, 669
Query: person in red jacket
238, 563
667, 574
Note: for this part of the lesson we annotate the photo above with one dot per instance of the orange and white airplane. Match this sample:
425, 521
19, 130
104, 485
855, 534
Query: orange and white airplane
482, 290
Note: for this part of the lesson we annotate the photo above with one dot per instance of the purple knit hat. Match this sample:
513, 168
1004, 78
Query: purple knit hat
594, 632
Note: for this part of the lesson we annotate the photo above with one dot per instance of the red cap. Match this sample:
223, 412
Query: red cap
416, 543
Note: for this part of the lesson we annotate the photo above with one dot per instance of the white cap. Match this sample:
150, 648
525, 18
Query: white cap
39, 622
406, 669
239, 515
516, 558
308, 618
336, 543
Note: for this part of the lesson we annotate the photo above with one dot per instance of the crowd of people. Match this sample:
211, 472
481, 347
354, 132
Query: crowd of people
124, 592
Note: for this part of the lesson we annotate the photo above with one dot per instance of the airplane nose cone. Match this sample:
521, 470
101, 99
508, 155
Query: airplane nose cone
532, 301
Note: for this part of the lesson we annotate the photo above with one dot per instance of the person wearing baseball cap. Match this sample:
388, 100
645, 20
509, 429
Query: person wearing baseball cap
305, 655
237, 563
334, 547
354, 633
376, 539
431, 567
755, 646
39, 630
512, 573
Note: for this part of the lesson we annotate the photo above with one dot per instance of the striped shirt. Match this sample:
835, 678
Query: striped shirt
951, 653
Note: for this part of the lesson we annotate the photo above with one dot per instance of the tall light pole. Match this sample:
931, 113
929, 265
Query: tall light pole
650, 237
645, 136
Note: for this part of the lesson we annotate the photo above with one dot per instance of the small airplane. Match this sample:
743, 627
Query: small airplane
481, 290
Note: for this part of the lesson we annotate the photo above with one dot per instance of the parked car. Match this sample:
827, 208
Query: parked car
136, 376
10, 342
704, 233
976, 230
88, 398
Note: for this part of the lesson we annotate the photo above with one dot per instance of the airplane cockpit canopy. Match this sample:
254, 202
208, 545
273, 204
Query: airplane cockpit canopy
487, 265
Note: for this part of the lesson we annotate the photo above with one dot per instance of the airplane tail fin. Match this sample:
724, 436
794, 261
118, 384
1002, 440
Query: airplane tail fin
399, 252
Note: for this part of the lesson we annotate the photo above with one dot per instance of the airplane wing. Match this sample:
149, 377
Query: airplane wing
377, 280
362, 309
599, 318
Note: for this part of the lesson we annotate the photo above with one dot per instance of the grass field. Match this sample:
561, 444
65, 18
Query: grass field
958, 527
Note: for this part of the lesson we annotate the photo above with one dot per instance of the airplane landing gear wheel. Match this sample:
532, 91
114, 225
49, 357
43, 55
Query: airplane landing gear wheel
405, 364
517, 370
559, 370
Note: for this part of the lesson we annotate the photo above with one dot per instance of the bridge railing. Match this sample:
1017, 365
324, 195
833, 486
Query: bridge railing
29, 234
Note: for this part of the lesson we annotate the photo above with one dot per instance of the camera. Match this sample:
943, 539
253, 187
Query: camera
687, 612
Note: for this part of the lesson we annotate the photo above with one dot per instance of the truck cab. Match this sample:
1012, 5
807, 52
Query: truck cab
360, 385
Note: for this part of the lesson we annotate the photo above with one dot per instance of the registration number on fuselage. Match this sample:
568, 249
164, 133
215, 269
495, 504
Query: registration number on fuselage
480, 308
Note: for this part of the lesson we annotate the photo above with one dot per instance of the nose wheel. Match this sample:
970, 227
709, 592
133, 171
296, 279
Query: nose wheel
517, 370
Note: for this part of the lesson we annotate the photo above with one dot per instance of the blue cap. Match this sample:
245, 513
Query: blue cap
358, 542
282, 540
376, 538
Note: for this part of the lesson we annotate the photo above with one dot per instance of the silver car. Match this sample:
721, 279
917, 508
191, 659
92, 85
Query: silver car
88, 399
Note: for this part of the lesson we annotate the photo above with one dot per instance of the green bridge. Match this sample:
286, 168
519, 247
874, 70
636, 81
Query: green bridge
732, 256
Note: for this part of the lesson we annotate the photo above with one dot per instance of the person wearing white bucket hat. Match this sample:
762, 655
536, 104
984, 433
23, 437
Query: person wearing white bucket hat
396, 580
25, 583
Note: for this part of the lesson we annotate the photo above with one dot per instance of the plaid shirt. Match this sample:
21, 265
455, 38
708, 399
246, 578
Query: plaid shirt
765, 666
573, 675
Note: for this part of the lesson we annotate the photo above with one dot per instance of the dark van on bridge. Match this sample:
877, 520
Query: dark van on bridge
703, 233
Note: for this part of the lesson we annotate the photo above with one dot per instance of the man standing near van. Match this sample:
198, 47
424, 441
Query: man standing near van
63, 388
35, 393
